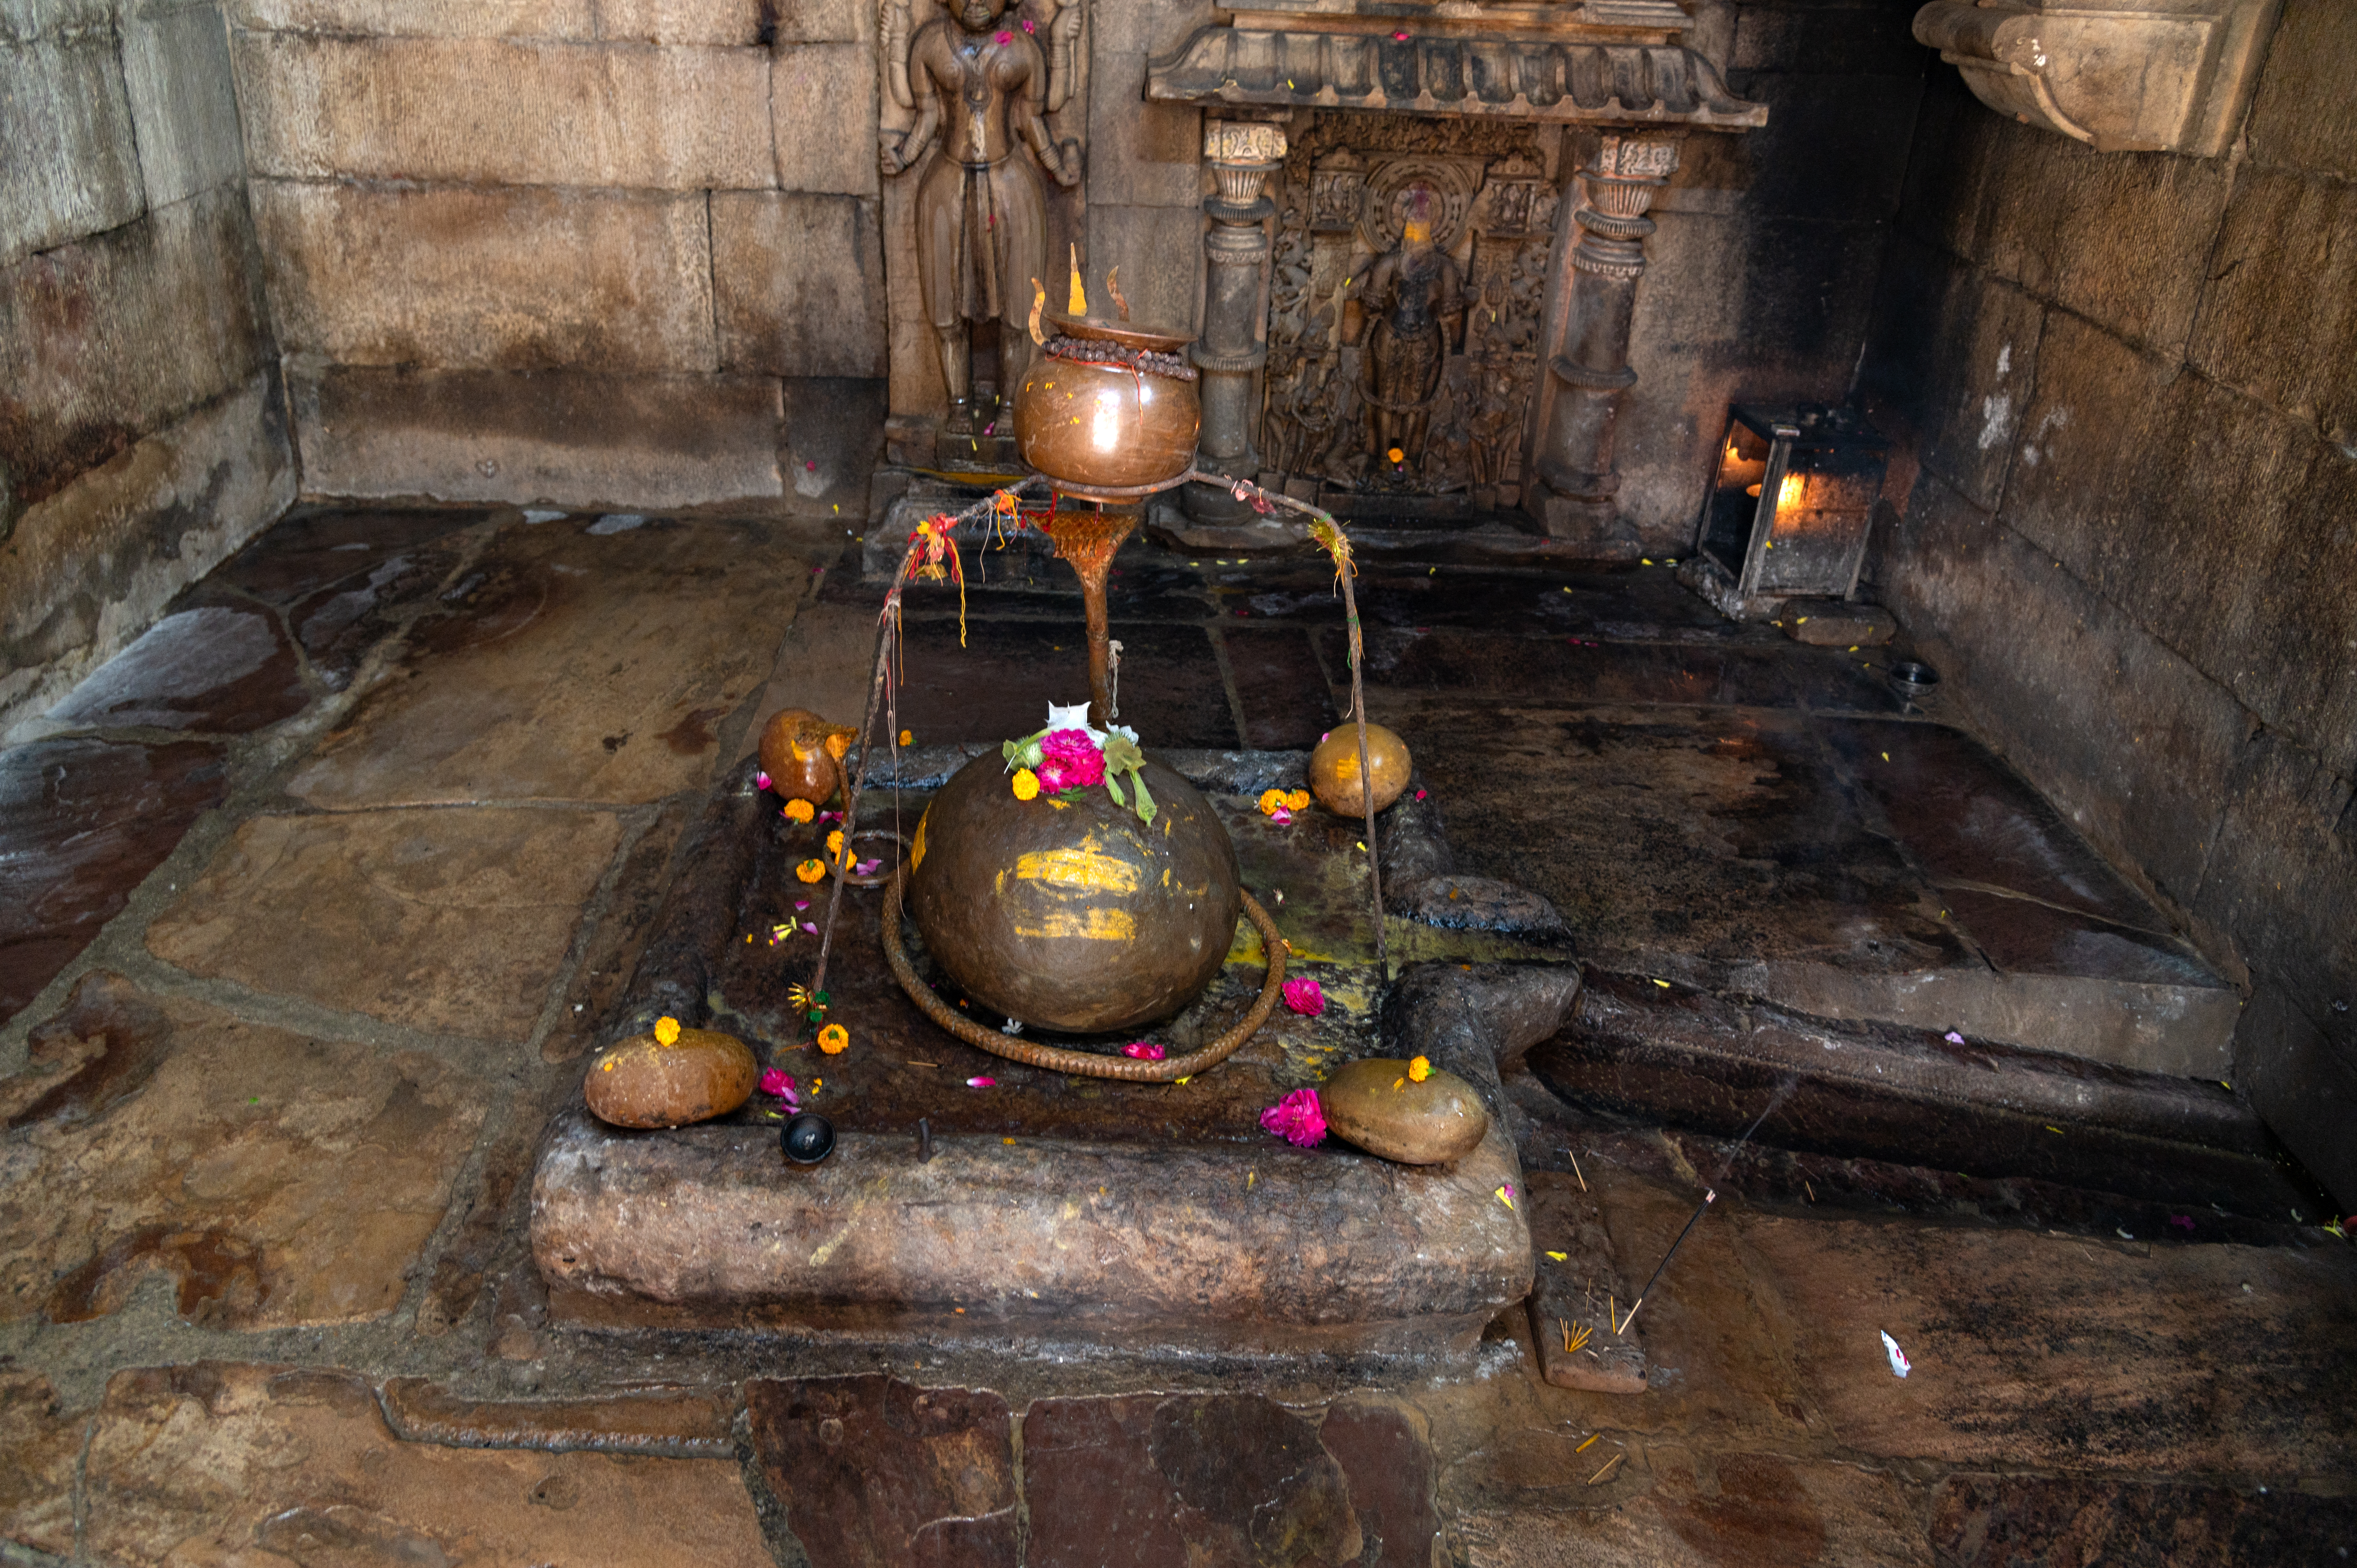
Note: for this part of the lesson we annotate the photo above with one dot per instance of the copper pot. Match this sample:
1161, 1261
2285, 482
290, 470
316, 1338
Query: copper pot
1066, 911
1107, 423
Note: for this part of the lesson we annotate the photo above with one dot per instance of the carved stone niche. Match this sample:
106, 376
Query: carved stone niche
1436, 342
1342, 204
2169, 76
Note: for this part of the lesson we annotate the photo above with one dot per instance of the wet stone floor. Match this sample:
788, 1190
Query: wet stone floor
313, 901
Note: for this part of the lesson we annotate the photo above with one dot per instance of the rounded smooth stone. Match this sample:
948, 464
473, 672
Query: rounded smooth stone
644, 1083
1334, 769
1065, 910
1427, 1123
794, 755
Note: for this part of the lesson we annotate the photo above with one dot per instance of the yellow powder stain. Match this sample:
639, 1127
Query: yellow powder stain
1090, 925
1077, 868
916, 849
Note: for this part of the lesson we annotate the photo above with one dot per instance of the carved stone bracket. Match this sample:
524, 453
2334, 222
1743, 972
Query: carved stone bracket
1573, 456
2122, 75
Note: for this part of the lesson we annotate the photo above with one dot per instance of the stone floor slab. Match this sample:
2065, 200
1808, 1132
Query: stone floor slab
214, 1463
40, 1448
578, 661
216, 668
2062, 1353
279, 1179
879, 1473
1730, 1511
997, 686
1995, 1521
83, 822
670, 1422
1149, 1481
1287, 702
453, 921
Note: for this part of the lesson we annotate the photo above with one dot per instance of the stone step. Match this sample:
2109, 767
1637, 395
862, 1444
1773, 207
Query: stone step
1695, 1059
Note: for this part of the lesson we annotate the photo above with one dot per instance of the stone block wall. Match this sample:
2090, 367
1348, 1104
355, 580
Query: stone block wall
2125, 521
544, 251
142, 435
1762, 273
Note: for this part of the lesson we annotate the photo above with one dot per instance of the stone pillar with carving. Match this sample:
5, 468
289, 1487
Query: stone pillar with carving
1589, 364
1241, 156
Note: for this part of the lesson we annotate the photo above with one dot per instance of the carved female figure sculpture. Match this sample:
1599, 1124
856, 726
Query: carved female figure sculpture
1415, 297
981, 219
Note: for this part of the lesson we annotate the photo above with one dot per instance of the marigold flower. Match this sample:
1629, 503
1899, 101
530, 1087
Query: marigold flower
799, 810
1298, 800
835, 1040
1420, 1069
1297, 1118
908, 737
1305, 996
1270, 801
835, 844
666, 1031
811, 870
1027, 785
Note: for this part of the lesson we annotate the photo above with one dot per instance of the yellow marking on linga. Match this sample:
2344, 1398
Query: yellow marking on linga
1078, 869
1090, 925
916, 849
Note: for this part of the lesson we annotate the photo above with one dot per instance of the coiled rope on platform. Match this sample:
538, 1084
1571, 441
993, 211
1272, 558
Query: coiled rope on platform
1086, 1064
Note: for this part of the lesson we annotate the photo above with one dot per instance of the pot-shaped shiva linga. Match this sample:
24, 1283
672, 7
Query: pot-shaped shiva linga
1107, 408
1070, 911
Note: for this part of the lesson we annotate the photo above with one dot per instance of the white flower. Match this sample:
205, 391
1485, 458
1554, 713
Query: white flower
1076, 716
1012, 1026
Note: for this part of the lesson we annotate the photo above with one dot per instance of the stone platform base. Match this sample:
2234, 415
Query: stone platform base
1038, 1208
1240, 1247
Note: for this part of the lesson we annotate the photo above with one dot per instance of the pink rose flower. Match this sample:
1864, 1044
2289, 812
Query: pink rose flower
1297, 1118
1143, 1051
1071, 761
1304, 997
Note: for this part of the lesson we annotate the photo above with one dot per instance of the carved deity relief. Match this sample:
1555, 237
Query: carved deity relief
1407, 287
982, 100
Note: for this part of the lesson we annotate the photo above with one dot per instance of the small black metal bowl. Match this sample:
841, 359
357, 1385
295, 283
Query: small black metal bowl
807, 1138
1914, 680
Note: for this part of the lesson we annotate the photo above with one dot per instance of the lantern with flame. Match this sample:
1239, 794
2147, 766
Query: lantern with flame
1787, 515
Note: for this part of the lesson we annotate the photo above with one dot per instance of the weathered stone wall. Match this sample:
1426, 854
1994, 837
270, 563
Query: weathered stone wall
2126, 381
1761, 277
141, 434
624, 253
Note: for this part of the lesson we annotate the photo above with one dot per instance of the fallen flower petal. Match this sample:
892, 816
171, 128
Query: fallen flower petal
1282, 816
760, 781
982, 1083
865, 867
1899, 1364
1297, 1118
1143, 1051
1505, 1195
1953, 1037
1305, 996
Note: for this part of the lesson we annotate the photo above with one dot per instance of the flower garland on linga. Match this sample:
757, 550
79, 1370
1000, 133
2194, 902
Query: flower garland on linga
1071, 754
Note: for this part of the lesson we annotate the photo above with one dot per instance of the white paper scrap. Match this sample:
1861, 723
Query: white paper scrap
1899, 1364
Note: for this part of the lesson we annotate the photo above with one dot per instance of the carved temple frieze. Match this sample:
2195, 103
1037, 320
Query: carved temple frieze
1600, 61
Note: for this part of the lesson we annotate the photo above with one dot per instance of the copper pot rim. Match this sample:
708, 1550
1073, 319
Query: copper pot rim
1151, 339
